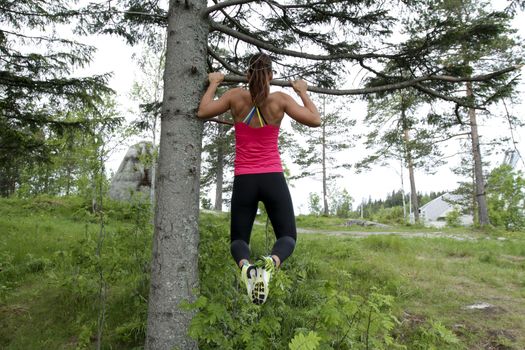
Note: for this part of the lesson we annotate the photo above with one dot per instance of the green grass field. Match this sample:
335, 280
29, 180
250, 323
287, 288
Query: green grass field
380, 291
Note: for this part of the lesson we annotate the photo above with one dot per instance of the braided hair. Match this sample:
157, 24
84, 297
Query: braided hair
259, 69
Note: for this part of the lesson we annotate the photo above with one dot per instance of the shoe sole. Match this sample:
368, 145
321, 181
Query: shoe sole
259, 293
260, 289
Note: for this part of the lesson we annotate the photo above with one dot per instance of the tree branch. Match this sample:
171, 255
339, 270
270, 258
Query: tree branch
220, 121
43, 38
70, 13
439, 95
451, 137
222, 5
280, 51
223, 62
234, 21
308, 6
415, 83
482, 77
362, 91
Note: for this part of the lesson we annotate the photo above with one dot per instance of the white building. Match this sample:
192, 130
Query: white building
434, 213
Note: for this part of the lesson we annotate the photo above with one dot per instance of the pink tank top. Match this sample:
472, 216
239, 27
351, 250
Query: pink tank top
256, 149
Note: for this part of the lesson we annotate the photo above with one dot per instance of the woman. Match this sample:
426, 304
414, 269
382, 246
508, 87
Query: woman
258, 171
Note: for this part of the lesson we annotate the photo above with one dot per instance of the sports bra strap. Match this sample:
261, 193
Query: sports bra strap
250, 115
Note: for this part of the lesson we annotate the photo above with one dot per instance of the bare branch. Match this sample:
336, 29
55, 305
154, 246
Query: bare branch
415, 83
363, 91
222, 5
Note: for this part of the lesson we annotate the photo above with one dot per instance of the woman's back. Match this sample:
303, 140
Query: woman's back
272, 108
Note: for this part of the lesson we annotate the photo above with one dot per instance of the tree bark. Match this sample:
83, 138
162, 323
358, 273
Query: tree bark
220, 168
174, 271
483, 216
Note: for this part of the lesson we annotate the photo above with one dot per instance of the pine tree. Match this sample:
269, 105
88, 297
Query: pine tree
148, 93
470, 39
38, 93
398, 132
323, 144
218, 155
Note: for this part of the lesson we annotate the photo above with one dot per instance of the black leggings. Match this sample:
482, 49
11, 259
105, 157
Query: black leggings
271, 189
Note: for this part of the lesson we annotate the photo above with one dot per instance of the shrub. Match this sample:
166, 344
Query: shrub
453, 218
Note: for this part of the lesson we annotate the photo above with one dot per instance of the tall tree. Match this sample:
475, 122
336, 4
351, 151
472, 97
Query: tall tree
474, 39
506, 197
69, 166
322, 145
148, 93
174, 274
38, 88
218, 154
397, 132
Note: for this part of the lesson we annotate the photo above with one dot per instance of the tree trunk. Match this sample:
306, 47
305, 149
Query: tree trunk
410, 164
323, 144
174, 270
483, 215
403, 195
413, 193
220, 168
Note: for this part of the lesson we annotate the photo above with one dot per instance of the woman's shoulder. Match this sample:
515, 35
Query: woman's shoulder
238, 91
279, 97
279, 94
238, 94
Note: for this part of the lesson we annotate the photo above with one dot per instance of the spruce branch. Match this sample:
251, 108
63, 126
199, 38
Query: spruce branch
281, 51
223, 62
223, 5
432, 92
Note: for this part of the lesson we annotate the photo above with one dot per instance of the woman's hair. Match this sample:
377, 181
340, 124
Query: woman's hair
259, 69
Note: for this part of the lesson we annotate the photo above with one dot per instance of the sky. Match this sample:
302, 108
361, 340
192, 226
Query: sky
113, 55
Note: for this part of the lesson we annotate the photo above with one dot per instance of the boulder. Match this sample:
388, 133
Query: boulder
132, 177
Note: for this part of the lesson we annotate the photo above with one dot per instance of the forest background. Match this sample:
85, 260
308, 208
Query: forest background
115, 55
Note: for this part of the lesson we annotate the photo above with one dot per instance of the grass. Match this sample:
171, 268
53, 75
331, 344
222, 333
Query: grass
437, 278
49, 284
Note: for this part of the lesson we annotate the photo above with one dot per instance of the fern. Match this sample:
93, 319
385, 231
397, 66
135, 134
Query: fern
302, 342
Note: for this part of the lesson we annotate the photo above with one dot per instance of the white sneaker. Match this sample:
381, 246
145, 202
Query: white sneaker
261, 288
248, 276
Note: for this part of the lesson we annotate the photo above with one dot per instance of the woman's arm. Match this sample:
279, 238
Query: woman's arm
209, 107
307, 115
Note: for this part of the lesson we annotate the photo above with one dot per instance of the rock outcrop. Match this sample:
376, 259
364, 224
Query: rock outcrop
131, 176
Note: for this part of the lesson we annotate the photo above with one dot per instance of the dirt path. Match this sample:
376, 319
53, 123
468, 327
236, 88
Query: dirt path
360, 234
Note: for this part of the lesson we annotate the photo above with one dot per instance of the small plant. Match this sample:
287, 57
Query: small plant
305, 342
453, 218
